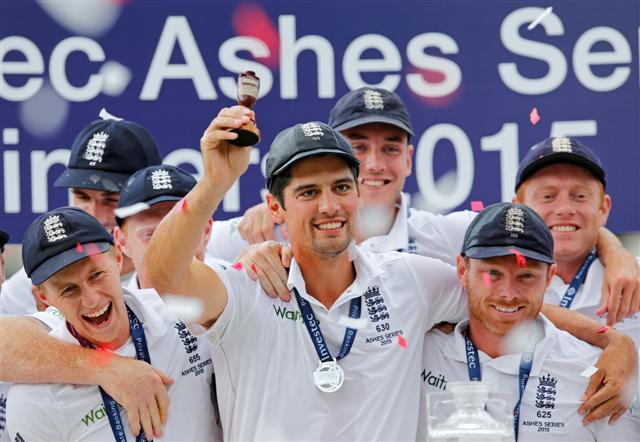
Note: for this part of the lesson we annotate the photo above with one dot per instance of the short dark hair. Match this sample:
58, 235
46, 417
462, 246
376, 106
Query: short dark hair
280, 181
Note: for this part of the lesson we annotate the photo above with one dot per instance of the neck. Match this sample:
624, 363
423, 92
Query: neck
567, 268
325, 278
484, 340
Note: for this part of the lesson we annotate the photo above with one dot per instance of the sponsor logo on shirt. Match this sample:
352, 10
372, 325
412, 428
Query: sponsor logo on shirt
435, 380
545, 402
285, 313
94, 416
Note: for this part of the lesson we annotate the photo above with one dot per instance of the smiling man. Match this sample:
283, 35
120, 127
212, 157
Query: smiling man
506, 264
75, 267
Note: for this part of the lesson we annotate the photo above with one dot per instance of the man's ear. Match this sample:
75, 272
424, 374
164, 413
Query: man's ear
120, 239
462, 271
117, 253
409, 164
275, 209
39, 295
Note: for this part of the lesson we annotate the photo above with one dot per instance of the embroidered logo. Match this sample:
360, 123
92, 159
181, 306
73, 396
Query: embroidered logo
373, 99
514, 221
375, 304
161, 179
95, 148
54, 229
561, 144
189, 341
313, 130
546, 393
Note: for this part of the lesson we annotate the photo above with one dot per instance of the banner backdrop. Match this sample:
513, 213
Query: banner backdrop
470, 73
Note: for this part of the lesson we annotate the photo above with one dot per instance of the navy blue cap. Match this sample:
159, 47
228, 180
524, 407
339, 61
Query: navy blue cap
559, 150
106, 153
370, 105
155, 184
302, 141
503, 228
51, 242
4, 238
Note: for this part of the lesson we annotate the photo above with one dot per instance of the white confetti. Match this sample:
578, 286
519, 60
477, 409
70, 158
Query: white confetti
355, 323
542, 16
589, 371
518, 338
115, 78
105, 115
374, 221
125, 212
185, 308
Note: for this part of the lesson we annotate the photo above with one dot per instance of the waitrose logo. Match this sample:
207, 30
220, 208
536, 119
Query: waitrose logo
285, 313
94, 416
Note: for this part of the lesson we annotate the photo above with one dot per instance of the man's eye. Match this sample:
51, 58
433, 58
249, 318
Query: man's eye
308, 193
342, 188
358, 148
96, 275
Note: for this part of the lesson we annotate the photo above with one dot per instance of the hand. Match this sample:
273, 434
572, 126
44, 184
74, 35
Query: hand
256, 224
267, 262
140, 389
608, 392
620, 289
222, 160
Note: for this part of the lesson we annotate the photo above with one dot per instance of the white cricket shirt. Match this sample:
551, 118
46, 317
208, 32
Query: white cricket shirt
76, 412
549, 409
264, 357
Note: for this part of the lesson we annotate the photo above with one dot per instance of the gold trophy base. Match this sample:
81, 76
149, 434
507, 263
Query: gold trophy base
248, 135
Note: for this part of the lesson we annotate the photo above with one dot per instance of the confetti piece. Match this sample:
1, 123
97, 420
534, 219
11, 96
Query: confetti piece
183, 205
589, 371
402, 342
477, 206
374, 221
237, 266
603, 329
520, 259
486, 278
188, 309
542, 16
253, 267
79, 247
354, 323
533, 116
125, 212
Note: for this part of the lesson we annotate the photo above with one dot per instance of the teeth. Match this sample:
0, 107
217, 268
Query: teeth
563, 228
506, 309
375, 183
329, 226
100, 312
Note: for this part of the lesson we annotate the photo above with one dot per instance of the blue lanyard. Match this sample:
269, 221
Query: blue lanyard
316, 334
578, 280
142, 353
526, 362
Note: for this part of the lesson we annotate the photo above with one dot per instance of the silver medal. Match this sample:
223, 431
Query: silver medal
328, 377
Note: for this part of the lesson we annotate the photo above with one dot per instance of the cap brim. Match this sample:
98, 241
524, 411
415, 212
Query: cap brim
56, 263
373, 119
151, 202
314, 153
562, 157
495, 251
92, 179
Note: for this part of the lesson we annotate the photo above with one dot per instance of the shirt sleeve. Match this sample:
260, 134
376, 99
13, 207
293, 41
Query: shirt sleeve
33, 415
438, 285
51, 317
16, 297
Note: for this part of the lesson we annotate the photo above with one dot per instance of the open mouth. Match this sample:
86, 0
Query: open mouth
333, 225
374, 182
564, 228
508, 310
99, 317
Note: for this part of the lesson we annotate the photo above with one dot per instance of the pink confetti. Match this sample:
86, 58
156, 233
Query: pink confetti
183, 204
533, 116
237, 265
603, 329
93, 251
520, 259
477, 206
486, 278
253, 267
402, 342
79, 247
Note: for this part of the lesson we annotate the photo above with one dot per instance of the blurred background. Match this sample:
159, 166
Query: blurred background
470, 72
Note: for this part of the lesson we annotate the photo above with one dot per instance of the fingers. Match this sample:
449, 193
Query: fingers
609, 391
162, 397
230, 118
625, 301
615, 416
613, 305
608, 408
156, 421
263, 261
134, 421
287, 256
635, 300
145, 421
256, 225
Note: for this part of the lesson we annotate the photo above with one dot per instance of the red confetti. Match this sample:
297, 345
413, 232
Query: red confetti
183, 205
477, 206
603, 329
520, 259
253, 267
486, 278
533, 116
79, 247
402, 342
237, 265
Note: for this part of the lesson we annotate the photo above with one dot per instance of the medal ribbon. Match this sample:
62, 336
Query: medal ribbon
526, 362
315, 333
142, 353
578, 280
